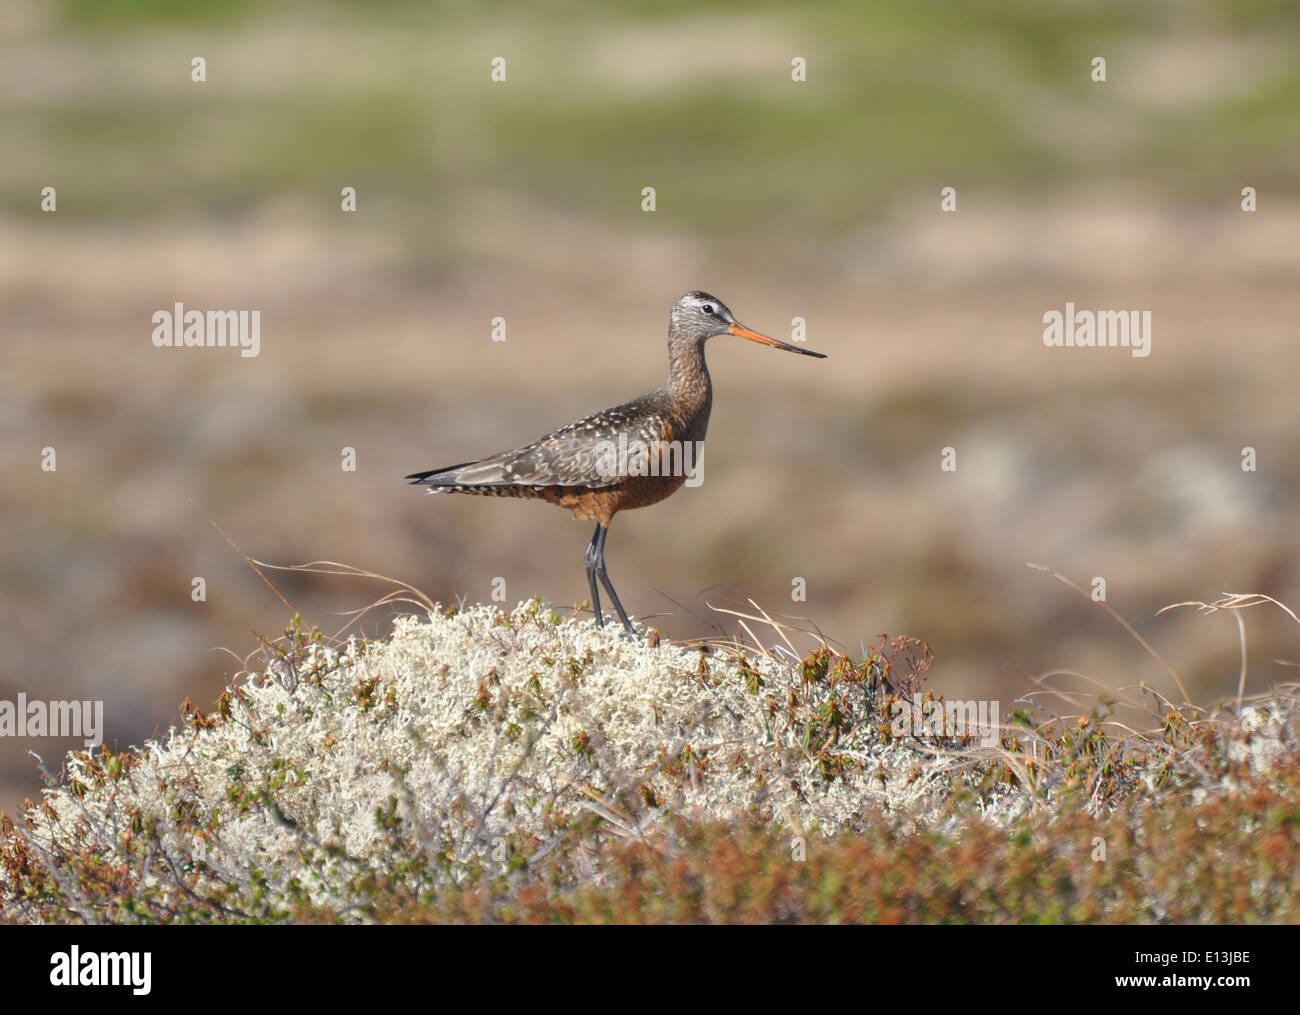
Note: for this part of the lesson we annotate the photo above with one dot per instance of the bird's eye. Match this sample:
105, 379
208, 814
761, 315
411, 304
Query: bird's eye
708, 308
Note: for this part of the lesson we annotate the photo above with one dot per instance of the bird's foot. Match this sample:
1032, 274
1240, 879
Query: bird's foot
628, 630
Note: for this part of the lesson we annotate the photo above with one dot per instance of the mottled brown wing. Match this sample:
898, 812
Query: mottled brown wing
593, 452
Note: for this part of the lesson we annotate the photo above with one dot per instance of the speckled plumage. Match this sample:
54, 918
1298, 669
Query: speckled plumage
570, 466
565, 466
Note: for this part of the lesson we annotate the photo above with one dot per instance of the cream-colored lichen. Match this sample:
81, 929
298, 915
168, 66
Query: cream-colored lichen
472, 735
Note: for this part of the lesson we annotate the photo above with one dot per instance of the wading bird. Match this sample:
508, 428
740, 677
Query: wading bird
629, 456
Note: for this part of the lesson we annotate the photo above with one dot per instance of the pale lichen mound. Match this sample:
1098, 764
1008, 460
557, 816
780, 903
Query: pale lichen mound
476, 735
508, 751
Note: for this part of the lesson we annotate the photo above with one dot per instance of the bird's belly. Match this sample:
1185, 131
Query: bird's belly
600, 505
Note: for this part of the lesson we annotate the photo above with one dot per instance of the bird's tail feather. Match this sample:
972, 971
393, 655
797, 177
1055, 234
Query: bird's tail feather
446, 476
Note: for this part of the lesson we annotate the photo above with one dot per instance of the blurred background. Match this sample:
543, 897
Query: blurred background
522, 199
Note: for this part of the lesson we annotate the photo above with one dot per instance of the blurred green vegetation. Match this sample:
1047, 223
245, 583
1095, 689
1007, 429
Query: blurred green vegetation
899, 96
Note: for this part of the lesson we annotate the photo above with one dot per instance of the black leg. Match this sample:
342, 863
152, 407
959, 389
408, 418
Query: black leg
599, 544
591, 577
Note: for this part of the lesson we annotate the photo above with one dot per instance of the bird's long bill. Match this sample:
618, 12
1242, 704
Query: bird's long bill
754, 336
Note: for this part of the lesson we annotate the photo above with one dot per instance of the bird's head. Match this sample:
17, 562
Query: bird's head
698, 316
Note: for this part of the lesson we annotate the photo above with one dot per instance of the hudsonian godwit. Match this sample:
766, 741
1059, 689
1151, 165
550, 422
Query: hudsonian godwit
629, 456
